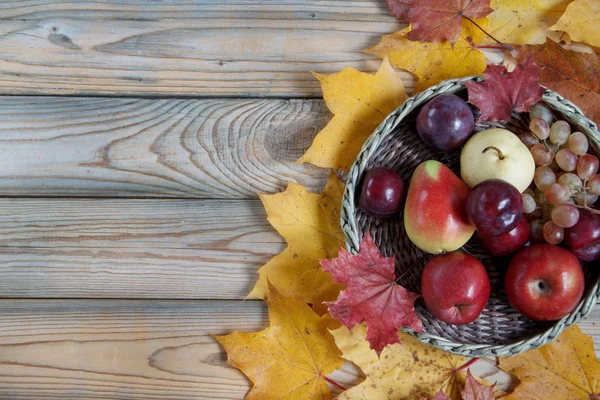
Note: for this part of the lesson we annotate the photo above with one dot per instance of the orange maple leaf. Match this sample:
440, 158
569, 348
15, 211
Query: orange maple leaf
290, 359
574, 75
566, 368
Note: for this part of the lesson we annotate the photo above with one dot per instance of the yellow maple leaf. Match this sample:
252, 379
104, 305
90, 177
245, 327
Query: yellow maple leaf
566, 368
310, 224
359, 102
289, 359
524, 21
434, 62
406, 371
580, 21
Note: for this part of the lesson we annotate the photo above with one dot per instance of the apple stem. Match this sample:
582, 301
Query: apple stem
468, 364
500, 154
334, 383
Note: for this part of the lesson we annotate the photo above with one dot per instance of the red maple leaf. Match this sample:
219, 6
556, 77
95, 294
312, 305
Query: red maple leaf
399, 8
371, 295
436, 20
439, 396
502, 92
476, 391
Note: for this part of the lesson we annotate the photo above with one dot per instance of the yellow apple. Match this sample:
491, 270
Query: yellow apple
497, 154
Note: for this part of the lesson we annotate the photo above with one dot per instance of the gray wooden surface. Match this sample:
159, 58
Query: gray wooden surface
130, 228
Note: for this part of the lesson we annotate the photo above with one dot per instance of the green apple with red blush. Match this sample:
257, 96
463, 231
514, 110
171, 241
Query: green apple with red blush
435, 218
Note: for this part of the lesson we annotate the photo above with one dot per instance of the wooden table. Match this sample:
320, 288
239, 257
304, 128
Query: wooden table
134, 138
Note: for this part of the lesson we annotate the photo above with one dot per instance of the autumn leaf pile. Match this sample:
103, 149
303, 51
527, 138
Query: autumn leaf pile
327, 306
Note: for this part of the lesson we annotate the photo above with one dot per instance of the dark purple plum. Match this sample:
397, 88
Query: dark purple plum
494, 207
583, 238
445, 122
382, 193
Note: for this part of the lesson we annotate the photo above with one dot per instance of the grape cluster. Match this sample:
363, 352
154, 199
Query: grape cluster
565, 178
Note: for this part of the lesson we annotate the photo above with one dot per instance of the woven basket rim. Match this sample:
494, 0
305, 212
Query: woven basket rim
350, 228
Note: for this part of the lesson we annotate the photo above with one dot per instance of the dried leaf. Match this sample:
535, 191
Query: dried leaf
574, 75
566, 368
310, 223
407, 371
439, 396
438, 20
289, 359
372, 295
399, 8
524, 21
581, 21
477, 391
434, 62
502, 92
360, 102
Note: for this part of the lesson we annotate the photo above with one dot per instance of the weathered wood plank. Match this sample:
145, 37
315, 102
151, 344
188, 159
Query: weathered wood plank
183, 47
167, 148
111, 349
125, 349
195, 249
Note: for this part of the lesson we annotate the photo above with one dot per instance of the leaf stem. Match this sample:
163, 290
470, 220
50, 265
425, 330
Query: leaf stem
334, 383
491, 46
468, 364
504, 46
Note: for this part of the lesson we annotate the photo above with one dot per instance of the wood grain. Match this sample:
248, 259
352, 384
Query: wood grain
125, 349
108, 349
186, 47
168, 148
194, 249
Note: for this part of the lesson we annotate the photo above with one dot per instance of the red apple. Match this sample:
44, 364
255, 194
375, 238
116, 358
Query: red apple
455, 287
508, 242
583, 239
544, 282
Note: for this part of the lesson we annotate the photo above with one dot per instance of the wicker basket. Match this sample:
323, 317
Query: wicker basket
500, 330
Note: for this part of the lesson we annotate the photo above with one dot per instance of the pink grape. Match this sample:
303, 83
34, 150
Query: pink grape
541, 110
543, 177
587, 166
553, 233
541, 155
585, 199
578, 143
537, 231
566, 160
565, 215
557, 194
559, 132
594, 185
529, 203
572, 181
528, 139
540, 128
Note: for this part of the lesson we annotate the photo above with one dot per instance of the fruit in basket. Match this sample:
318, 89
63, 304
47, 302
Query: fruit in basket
434, 213
455, 287
509, 242
497, 154
544, 282
382, 193
494, 207
583, 238
445, 122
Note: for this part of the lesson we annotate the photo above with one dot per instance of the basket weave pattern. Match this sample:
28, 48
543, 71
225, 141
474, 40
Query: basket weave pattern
500, 330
